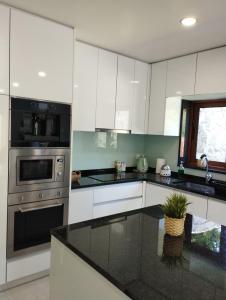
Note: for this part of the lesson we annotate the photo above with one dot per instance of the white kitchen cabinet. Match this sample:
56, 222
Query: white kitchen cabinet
41, 58
172, 116
157, 98
115, 207
141, 89
118, 191
106, 89
211, 72
4, 49
85, 87
216, 211
125, 93
4, 125
156, 194
197, 206
181, 76
80, 205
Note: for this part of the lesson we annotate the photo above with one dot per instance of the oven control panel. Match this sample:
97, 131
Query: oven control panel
59, 168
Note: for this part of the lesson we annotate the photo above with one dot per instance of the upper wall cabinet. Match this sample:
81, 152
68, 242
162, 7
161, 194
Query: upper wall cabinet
41, 54
85, 87
4, 49
211, 72
106, 89
181, 76
157, 98
140, 106
172, 116
125, 93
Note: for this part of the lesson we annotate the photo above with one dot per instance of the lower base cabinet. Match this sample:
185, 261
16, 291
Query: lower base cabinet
156, 194
216, 211
80, 205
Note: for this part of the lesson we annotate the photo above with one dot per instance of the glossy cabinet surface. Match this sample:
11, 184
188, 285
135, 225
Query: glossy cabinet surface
41, 58
211, 72
140, 107
106, 89
4, 121
85, 87
216, 211
156, 194
4, 49
157, 98
125, 93
172, 116
80, 206
181, 76
197, 206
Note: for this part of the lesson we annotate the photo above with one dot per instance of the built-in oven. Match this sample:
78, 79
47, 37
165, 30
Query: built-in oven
39, 124
29, 223
38, 169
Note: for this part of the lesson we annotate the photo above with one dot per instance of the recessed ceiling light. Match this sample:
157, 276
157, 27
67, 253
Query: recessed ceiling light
188, 21
135, 81
2, 91
16, 84
42, 74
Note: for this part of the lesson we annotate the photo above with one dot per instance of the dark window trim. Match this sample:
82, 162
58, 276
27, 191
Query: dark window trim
191, 132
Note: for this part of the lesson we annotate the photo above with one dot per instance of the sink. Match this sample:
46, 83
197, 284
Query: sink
196, 187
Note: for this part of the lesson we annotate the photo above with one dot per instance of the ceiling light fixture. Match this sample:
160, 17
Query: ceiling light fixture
16, 84
41, 74
188, 21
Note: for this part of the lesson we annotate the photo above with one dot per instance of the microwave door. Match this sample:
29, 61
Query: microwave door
38, 169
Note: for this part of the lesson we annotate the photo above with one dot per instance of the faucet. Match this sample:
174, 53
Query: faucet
205, 164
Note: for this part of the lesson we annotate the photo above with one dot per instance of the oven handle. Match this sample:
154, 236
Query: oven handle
23, 210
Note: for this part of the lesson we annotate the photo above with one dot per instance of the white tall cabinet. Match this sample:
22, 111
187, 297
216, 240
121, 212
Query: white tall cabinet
4, 49
141, 102
125, 93
4, 125
41, 58
85, 87
211, 72
157, 98
106, 89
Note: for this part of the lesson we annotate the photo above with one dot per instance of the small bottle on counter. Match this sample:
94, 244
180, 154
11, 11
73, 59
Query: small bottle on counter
181, 169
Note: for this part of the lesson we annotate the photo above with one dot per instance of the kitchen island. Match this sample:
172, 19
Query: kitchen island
128, 256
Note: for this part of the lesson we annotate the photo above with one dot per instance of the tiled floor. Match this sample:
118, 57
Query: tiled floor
35, 290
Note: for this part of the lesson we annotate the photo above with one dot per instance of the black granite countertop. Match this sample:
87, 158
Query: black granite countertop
189, 183
132, 251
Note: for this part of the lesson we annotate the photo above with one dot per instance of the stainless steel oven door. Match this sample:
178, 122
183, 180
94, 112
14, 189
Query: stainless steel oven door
29, 225
32, 169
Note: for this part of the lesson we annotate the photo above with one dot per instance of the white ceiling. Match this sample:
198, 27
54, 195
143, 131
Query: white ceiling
145, 29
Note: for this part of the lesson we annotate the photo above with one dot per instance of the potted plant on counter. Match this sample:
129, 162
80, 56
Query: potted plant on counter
175, 211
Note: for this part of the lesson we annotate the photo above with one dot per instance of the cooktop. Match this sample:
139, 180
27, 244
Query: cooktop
114, 177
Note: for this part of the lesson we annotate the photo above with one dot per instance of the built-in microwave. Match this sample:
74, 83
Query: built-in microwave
39, 124
33, 169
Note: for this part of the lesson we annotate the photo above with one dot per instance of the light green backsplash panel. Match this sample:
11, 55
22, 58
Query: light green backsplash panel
167, 147
100, 150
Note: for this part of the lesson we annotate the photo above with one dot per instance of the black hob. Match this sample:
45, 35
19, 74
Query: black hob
115, 177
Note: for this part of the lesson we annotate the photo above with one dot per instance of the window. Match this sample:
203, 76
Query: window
203, 130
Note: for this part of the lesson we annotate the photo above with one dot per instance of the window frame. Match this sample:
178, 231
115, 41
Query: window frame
191, 133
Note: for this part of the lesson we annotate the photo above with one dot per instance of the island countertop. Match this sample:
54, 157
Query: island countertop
132, 251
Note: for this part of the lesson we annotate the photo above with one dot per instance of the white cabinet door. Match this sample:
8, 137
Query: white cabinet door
141, 97
4, 125
172, 116
41, 58
4, 50
157, 98
198, 206
115, 207
115, 192
106, 89
125, 93
85, 87
211, 72
216, 211
80, 205
181, 76
156, 194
